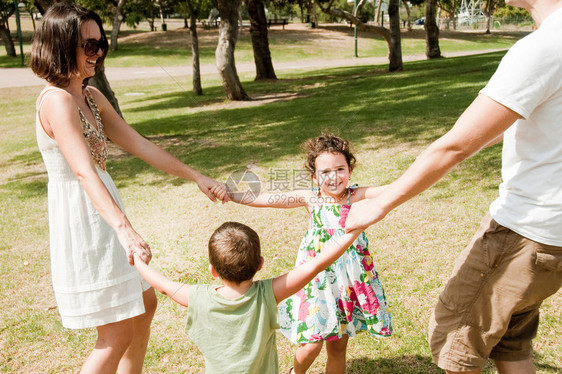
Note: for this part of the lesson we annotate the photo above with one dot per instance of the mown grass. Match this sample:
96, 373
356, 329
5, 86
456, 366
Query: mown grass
389, 119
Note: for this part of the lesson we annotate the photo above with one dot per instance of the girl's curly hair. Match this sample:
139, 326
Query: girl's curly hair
326, 143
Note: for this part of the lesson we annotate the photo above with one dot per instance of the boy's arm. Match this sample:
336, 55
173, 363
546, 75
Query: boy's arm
289, 283
179, 292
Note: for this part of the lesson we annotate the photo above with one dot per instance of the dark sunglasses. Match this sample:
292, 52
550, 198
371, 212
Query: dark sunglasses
92, 46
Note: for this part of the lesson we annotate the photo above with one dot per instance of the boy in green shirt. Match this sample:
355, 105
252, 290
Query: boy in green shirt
234, 324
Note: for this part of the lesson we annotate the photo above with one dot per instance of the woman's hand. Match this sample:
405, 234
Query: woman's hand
221, 192
208, 186
133, 243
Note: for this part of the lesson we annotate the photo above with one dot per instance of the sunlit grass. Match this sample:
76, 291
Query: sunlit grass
389, 119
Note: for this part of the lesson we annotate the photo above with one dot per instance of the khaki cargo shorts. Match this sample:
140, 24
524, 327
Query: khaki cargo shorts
490, 305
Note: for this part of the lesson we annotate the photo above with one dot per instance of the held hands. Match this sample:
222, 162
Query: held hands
133, 244
221, 192
363, 214
212, 188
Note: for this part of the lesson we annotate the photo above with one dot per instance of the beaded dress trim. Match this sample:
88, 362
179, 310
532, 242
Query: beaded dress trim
95, 137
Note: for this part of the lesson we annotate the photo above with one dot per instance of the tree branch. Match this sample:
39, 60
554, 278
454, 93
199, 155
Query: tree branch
361, 26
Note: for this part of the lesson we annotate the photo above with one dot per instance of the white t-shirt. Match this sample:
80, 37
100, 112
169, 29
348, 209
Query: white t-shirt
529, 82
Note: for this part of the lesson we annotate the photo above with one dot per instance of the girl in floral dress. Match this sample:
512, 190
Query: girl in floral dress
347, 297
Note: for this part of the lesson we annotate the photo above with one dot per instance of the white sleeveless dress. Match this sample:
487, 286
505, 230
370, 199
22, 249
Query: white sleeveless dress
93, 282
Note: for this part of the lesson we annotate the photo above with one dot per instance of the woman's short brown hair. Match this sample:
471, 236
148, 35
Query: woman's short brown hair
53, 52
326, 143
235, 252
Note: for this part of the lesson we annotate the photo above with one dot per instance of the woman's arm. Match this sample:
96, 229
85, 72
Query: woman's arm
59, 113
179, 292
125, 136
289, 283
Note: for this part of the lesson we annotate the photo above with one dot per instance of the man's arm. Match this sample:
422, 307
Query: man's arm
481, 124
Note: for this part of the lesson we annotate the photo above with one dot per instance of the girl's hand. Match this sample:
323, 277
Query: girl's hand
133, 243
221, 192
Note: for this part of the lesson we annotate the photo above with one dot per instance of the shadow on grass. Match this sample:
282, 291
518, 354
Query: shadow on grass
361, 104
24, 189
477, 37
417, 105
418, 364
152, 54
545, 367
407, 364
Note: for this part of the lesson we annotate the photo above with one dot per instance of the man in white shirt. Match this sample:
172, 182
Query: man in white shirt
514, 261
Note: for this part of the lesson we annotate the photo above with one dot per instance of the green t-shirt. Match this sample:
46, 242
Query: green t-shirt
235, 336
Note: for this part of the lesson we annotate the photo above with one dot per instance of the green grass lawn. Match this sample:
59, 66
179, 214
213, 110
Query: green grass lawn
388, 118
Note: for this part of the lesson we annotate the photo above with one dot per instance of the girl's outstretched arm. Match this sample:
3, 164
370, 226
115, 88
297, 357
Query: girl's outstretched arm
289, 283
282, 199
370, 192
179, 292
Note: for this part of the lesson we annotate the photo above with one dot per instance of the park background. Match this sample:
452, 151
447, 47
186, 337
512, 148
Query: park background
388, 117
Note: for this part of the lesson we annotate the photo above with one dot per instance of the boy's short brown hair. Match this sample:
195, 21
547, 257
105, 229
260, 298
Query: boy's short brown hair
235, 252
56, 41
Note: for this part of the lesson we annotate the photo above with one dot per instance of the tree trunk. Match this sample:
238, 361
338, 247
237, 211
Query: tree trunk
8, 42
197, 89
488, 22
488, 11
228, 35
392, 40
101, 83
314, 14
42, 5
150, 19
395, 50
378, 13
5, 35
117, 19
409, 20
28, 7
162, 21
240, 21
431, 30
446, 23
260, 42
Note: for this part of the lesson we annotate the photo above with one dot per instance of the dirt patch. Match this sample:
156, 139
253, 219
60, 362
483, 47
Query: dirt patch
298, 32
172, 39
293, 32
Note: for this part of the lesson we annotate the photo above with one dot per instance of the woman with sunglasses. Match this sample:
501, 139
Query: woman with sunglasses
91, 240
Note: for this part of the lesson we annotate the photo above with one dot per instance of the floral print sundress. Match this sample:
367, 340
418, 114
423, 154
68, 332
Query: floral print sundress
346, 298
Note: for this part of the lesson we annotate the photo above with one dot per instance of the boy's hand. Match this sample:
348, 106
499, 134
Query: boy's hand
138, 256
